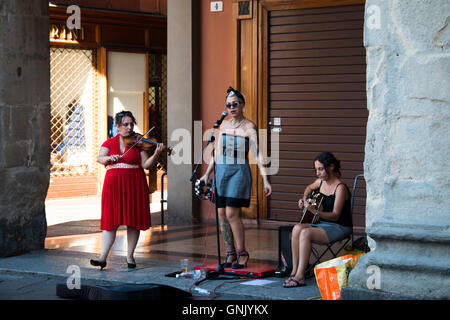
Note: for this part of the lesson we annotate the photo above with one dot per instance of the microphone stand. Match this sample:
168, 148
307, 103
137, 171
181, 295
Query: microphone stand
220, 270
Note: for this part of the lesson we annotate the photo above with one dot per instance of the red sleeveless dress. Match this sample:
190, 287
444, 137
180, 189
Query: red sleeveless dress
125, 194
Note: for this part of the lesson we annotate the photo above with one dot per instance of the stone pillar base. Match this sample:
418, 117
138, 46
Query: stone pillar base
408, 261
24, 125
406, 153
365, 294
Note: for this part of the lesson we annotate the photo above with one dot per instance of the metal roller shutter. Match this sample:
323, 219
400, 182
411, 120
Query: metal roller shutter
317, 88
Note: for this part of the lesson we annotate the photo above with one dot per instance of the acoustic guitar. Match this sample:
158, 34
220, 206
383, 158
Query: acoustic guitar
314, 199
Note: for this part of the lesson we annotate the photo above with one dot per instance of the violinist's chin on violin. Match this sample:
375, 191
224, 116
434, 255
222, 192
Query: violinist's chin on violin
144, 143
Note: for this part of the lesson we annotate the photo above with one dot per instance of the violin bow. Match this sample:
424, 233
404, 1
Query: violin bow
135, 144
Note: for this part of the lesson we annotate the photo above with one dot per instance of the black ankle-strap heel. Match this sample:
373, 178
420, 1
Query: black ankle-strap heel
241, 253
231, 257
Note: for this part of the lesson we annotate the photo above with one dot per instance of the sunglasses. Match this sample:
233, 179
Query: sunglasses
234, 105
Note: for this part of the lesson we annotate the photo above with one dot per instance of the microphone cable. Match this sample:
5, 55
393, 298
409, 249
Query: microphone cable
205, 246
194, 283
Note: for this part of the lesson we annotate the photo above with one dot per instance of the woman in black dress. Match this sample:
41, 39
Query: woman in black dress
335, 216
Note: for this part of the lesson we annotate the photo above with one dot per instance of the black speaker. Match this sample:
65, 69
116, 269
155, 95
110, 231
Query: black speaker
284, 250
121, 292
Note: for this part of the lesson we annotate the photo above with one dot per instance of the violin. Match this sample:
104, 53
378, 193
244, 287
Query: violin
144, 143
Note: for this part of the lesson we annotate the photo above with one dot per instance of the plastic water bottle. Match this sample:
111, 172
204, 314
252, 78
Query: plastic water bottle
202, 291
185, 275
196, 274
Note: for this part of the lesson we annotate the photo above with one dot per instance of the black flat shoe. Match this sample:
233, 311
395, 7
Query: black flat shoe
97, 263
131, 265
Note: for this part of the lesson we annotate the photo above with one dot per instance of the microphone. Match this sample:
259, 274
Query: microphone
219, 122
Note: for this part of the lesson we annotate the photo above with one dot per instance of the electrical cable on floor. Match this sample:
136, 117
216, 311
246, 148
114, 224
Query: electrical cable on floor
214, 295
205, 247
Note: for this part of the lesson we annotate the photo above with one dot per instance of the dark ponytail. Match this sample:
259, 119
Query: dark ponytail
327, 159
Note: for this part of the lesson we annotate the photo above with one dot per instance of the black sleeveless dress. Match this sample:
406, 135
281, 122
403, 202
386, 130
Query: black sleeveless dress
336, 230
233, 176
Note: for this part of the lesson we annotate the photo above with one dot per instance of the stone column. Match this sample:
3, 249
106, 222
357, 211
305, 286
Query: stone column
407, 151
24, 124
179, 111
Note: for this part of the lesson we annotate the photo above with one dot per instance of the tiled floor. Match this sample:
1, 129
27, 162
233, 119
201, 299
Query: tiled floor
197, 243
74, 237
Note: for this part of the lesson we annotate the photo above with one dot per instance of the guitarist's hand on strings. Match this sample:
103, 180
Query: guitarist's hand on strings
310, 207
301, 204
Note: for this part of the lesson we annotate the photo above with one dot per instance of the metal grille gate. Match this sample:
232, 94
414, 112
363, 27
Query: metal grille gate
158, 100
74, 116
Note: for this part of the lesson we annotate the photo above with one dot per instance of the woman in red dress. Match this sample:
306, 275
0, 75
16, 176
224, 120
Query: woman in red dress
125, 195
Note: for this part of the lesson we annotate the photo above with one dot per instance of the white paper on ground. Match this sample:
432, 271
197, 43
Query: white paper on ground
257, 282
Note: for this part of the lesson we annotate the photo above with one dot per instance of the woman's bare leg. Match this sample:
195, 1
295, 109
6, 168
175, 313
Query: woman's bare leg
227, 233
234, 219
132, 240
308, 236
108, 238
295, 240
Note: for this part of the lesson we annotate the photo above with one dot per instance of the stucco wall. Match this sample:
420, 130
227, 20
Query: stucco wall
216, 74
